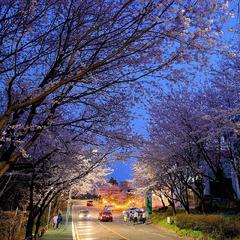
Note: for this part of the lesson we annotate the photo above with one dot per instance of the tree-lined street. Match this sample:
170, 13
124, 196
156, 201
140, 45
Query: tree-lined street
92, 229
89, 85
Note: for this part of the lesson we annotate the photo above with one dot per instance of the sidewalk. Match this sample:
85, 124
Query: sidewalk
64, 233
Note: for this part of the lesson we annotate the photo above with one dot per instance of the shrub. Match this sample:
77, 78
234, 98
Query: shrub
217, 226
158, 216
11, 225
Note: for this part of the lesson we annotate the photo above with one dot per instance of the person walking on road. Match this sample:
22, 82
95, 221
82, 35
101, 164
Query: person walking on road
135, 217
128, 216
59, 220
125, 217
144, 217
139, 217
55, 218
131, 216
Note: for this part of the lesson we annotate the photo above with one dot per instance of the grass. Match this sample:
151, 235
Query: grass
184, 232
65, 233
201, 227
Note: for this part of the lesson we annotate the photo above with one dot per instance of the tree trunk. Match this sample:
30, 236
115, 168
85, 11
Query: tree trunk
29, 227
38, 225
187, 209
172, 204
202, 205
30, 221
163, 204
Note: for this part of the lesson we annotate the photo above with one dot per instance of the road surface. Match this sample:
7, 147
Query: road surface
92, 229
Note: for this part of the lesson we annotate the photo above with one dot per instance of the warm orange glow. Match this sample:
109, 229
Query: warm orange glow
128, 203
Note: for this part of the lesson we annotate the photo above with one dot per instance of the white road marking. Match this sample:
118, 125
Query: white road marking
73, 232
89, 233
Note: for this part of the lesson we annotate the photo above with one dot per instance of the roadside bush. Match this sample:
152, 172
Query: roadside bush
158, 216
11, 225
216, 226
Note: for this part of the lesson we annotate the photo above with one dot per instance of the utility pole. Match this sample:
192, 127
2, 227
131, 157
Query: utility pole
69, 206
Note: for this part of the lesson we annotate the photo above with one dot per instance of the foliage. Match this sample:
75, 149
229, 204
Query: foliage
190, 146
79, 60
11, 225
61, 234
217, 226
200, 226
113, 181
161, 219
158, 216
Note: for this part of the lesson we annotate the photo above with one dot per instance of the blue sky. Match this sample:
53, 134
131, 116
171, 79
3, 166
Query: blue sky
123, 170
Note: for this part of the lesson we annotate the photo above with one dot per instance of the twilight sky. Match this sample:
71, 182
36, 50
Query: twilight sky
122, 170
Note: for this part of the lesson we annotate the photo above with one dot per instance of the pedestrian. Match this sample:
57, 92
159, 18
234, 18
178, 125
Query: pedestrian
135, 217
125, 217
139, 217
128, 216
55, 218
59, 220
144, 217
131, 216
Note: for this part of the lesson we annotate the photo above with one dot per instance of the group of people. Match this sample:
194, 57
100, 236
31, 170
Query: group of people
135, 216
57, 221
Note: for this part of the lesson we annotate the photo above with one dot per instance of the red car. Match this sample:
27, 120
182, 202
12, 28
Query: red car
105, 216
89, 203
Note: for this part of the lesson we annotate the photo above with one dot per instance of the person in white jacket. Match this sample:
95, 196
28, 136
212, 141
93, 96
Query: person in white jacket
55, 218
135, 217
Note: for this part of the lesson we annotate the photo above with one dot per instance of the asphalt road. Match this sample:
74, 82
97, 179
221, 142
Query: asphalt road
92, 229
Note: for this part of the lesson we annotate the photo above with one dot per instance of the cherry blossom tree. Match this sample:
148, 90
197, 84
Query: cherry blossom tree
66, 58
191, 136
225, 80
61, 159
165, 175
54, 170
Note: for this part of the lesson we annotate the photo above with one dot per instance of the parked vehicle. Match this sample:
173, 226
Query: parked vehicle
105, 216
89, 203
133, 215
139, 210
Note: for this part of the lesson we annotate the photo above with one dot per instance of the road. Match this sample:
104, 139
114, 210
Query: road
92, 229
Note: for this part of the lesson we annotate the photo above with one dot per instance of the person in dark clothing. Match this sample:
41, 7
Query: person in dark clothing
59, 220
